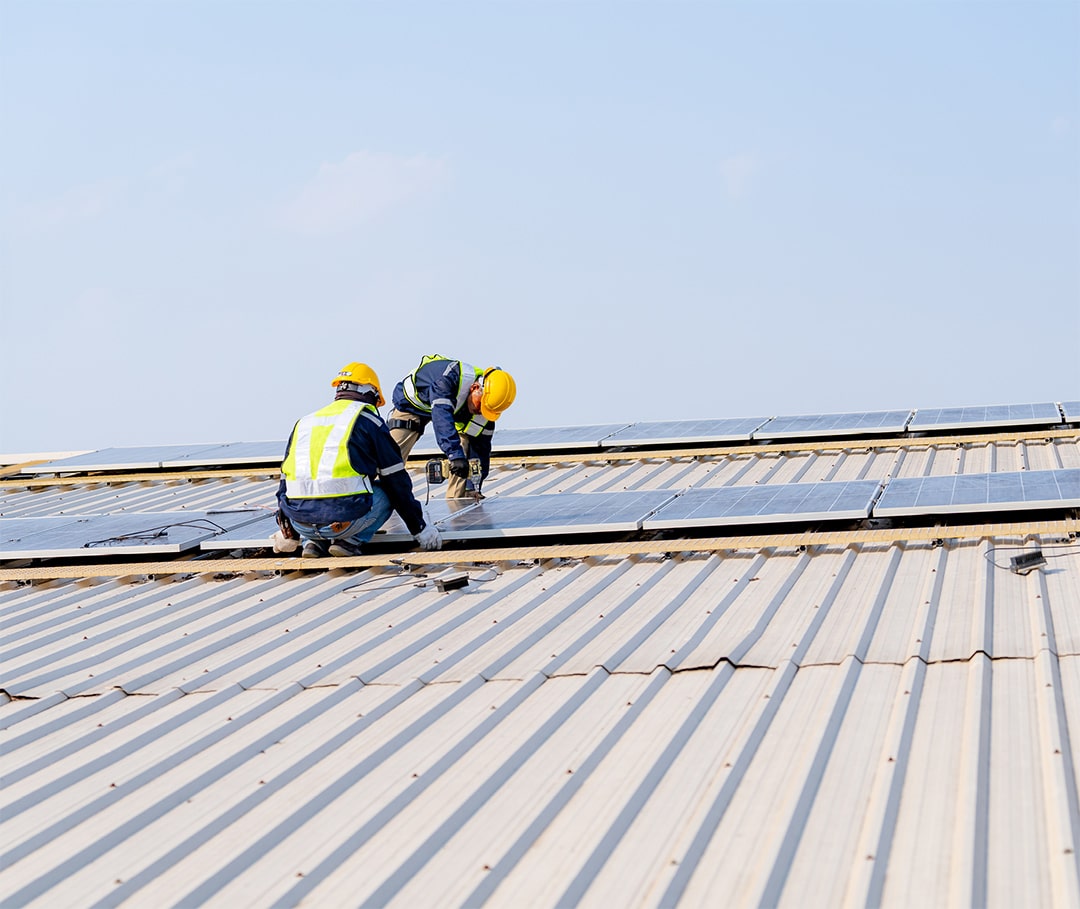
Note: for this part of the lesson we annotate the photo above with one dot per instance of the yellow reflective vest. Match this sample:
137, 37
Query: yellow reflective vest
317, 464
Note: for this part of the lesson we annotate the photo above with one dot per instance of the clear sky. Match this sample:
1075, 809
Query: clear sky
642, 210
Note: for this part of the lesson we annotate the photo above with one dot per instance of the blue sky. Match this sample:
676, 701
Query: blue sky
643, 210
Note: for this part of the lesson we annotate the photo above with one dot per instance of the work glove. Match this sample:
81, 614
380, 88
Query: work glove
429, 538
459, 467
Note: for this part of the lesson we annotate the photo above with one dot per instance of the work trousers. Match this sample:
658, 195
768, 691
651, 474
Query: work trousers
406, 439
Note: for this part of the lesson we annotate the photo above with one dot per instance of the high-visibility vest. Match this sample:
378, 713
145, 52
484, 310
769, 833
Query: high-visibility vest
467, 375
317, 464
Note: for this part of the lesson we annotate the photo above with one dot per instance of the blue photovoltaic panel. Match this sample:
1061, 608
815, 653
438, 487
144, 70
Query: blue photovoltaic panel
597, 512
1023, 489
1071, 409
553, 438
834, 424
114, 534
257, 535
154, 457
772, 503
984, 416
230, 453
146, 457
526, 441
684, 431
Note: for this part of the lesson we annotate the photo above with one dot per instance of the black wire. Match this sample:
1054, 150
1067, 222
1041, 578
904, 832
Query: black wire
988, 555
154, 533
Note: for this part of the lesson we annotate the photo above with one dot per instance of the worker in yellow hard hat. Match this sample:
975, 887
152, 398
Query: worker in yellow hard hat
463, 402
343, 474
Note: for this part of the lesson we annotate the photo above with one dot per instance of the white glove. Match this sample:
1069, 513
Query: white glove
281, 543
429, 538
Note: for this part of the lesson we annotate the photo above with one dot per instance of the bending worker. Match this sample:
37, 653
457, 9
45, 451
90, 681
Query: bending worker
463, 402
343, 474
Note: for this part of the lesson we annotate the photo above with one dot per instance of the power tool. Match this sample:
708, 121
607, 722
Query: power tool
436, 471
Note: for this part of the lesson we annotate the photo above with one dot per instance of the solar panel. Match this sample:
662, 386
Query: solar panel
257, 534
114, 534
683, 431
1071, 409
583, 512
153, 457
772, 503
146, 457
834, 424
1024, 489
553, 438
985, 415
231, 453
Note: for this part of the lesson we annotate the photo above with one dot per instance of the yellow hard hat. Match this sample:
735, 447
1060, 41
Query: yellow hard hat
359, 374
499, 391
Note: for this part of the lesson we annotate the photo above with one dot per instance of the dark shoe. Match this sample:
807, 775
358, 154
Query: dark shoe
314, 550
342, 548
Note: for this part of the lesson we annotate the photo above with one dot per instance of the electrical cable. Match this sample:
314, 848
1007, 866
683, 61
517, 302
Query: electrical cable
988, 555
153, 533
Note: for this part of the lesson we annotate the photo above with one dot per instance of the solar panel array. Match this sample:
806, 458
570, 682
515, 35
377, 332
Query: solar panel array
565, 513
603, 435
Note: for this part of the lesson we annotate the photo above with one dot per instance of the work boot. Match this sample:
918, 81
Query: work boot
343, 548
313, 549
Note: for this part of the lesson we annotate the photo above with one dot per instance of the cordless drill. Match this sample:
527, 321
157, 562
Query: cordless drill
436, 472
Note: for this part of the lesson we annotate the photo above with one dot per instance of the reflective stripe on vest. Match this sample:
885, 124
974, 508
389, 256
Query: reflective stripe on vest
317, 465
473, 428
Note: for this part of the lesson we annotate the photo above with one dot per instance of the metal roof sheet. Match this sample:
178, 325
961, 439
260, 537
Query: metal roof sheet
887, 722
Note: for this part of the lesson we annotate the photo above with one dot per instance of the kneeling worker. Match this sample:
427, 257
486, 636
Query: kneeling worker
343, 474
463, 402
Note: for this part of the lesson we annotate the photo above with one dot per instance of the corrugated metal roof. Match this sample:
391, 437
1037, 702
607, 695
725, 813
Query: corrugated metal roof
882, 723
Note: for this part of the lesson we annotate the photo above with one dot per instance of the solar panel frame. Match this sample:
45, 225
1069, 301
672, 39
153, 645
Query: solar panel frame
985, 416
835, 424
670, 432
766, 503
1026, 490
1071, 411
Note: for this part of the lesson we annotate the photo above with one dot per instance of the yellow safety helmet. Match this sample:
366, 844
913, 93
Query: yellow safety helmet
359, 374
498, 392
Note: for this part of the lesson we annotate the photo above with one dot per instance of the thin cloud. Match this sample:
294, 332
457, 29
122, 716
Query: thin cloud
359, 189
739, 173
79, 205
1060, 126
